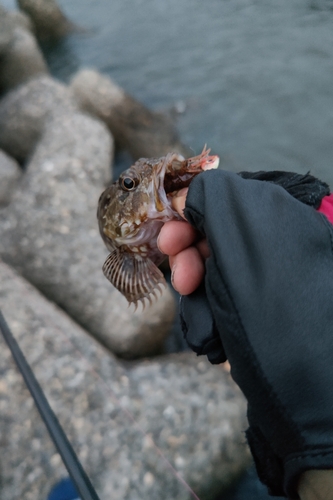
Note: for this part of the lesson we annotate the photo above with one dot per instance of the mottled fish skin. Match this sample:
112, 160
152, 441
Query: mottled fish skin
131, 213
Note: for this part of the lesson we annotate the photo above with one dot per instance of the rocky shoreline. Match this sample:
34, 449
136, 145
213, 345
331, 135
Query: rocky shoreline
57, 146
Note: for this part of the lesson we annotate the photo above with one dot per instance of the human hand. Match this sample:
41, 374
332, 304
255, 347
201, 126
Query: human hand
266, 304
186, 248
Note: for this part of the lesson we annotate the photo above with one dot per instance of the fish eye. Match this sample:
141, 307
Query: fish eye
128, 183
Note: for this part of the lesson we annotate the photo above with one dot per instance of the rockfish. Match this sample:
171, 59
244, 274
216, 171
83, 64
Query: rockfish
131, 213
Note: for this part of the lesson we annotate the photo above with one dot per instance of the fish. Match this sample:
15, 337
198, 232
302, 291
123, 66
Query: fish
131, 213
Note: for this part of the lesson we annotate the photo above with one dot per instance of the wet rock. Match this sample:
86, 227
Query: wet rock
19, 19
24, 111
5, 30
20, 56
50, 234
49, 21
135, 128
21, 61
123, 421
10, 173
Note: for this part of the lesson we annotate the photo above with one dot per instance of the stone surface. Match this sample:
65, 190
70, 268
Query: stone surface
10, 173
18, 18
50, 233
5, 30
121, 419
135, 128
24, 111
20, 56
21, 60
48, 20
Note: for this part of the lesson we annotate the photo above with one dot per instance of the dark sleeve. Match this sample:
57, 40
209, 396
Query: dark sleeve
305, 188
269, 290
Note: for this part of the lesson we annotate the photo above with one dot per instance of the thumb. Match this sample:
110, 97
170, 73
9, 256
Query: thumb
178, 201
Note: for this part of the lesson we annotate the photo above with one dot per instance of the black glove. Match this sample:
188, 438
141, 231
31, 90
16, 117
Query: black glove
267, 305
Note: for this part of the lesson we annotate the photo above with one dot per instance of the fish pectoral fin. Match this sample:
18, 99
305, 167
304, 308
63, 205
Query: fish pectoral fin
134, 276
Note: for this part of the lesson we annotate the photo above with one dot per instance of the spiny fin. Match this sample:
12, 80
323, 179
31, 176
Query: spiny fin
135, 277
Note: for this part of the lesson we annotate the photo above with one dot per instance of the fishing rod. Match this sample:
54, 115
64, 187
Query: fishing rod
65, 449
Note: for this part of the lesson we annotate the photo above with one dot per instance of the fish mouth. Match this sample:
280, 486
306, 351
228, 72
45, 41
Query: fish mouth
180, 172
173, 173
162, 205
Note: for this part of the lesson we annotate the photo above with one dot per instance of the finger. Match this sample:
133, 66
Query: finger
178, 201
175, 236
188, 270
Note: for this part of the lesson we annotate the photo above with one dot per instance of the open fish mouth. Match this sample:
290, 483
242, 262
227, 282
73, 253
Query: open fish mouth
175, 173
164, 170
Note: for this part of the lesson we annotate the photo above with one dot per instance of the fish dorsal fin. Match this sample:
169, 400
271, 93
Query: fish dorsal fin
134, 276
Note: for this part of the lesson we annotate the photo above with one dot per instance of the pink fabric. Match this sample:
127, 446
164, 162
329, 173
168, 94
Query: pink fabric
326, 207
